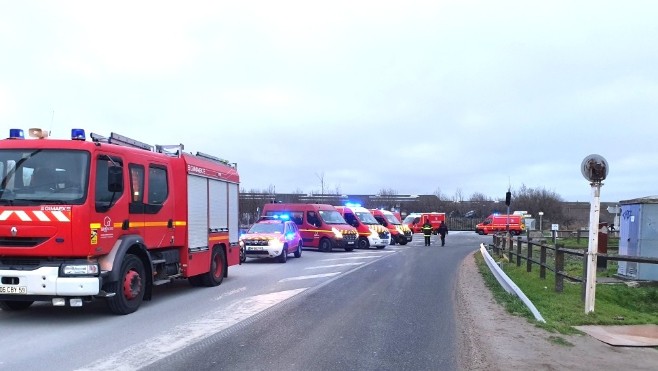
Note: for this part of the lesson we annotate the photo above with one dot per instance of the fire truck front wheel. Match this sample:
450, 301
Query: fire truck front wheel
10, 305
130, 287
402, 240
325, 245
363, 243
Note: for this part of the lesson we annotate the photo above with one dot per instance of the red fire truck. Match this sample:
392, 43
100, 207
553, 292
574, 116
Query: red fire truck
498, 223
110, 218
415, 221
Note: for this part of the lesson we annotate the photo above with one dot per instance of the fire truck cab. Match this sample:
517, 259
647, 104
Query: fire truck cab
371, 233
321, 226
400, 233
110, 218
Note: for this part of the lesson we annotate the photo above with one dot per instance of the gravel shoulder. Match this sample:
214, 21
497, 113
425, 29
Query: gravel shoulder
492, 339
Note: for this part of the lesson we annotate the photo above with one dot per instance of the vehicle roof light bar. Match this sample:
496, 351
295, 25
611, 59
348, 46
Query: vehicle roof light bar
16, 134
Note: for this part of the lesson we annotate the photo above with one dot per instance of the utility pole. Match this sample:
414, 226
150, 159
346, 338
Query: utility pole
595, 169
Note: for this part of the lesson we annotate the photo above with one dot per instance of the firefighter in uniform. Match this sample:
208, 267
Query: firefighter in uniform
427, 232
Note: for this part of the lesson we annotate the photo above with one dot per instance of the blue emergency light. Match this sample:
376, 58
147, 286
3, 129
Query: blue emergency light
352, 204
16, 134
281, 216
290, 236
78, 134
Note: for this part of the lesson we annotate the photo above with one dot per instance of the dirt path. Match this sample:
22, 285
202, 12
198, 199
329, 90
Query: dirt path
492, 339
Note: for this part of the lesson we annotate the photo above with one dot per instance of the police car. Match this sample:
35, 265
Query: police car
271, 237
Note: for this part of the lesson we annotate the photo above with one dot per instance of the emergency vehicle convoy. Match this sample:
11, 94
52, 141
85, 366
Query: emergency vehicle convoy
371, 233
498, 223
110, 218
321, 226
415, 221
400, 233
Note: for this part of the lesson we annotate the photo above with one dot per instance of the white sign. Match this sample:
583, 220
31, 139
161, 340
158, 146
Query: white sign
555, 227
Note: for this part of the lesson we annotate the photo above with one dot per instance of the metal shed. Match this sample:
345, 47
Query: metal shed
638, 236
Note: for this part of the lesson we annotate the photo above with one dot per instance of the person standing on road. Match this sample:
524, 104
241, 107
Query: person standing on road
427, 232
443, 231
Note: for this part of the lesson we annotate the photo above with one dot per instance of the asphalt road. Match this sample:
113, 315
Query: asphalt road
393, 314
366, 309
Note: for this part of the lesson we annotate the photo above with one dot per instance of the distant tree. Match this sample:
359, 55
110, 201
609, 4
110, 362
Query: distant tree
534, 200
459, 195
388, 192
477, 196
440, 195
335, 191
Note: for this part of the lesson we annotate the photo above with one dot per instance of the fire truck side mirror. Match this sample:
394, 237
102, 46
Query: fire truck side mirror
115, 179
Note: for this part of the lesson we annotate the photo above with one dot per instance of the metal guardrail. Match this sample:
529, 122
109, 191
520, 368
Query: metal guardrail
509, 285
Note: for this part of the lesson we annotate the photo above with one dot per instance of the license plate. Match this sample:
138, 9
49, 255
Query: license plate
19, 290
255, 248
350, 242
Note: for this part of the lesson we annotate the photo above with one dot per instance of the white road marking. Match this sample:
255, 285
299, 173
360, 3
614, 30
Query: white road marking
154, 349
298, 278
232, 292
372, 252
334, 265
352, 258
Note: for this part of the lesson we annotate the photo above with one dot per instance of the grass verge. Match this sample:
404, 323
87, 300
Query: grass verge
615, 304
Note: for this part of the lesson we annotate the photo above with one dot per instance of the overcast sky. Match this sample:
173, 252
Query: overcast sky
411, 96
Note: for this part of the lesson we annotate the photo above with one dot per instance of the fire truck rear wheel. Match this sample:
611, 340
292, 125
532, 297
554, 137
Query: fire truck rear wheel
363, 243
10, 305
217, 268
130, 287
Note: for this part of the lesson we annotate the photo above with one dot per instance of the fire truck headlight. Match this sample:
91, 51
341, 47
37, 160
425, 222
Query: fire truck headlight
241, 243
336, 232
80, 269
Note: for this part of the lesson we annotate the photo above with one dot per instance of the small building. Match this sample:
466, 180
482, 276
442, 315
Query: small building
638, 236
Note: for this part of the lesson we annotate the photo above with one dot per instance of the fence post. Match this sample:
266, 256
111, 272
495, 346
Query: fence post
542, 260
559, 267
554, 233
578, 237
529, 261
518, 252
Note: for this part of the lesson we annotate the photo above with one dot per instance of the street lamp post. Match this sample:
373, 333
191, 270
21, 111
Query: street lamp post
595, 169
541, 213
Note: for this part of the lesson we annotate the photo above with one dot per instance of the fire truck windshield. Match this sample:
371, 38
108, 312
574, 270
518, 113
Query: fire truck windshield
366, 217
43, 176
392, 219
332, 217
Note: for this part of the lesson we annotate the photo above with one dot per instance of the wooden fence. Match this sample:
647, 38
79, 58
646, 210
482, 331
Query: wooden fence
525, 250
